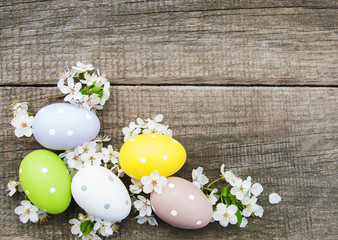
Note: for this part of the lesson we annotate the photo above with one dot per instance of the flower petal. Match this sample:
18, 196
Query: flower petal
232, 209
274, 198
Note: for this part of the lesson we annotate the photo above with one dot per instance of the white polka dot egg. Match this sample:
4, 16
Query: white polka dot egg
46, 181
182, 204
101, 193
63, 126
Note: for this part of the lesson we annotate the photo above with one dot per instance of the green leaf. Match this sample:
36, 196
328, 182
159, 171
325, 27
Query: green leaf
86, 227
83, 92
100, 93
225, 192
239, 217
94, 89
227, 201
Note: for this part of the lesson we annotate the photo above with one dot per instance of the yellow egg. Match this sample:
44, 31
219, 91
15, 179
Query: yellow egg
145, 153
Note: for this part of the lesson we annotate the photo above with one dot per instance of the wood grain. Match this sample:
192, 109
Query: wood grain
171, 42
284, 137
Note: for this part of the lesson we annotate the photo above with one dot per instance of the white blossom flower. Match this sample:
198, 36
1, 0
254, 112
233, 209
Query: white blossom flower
244, 222
256, 189
42, 215
20, 108
71, 89
199, 179
212, 197
101, 78
74, 158
225, 214
250, 205
131, 131
154, 127
136, 187
81, 102
104, 227
11, 187
27, 211
90, 79
91, 236
117, 170
109, 154
80, 67
141, 123
143, 206
90, 159
94, 100
89, 147
147, 219
105, 94
154, 182
75, 229
229, 176
259, 211
23, 125
241, 188
274, 198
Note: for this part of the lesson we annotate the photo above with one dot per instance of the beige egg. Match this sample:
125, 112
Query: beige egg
182, 204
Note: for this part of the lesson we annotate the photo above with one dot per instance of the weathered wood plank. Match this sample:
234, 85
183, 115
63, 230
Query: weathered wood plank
172, 42
285, 138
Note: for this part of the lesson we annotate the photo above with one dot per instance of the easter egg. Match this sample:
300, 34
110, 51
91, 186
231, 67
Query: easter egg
101, 193
145, 153
63, 126
46, 181
182, 204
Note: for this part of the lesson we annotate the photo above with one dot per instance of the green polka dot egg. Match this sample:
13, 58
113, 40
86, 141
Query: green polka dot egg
46, 181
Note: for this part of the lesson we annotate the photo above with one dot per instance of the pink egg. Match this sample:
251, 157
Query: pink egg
182, 204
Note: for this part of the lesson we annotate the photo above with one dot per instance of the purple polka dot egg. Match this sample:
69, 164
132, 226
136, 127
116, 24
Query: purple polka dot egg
101, 193
46, 181
62, 126
182, 204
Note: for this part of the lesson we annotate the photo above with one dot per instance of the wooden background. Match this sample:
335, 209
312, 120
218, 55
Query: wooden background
252, 84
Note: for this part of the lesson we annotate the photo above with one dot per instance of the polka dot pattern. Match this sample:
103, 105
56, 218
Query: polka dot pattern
70, 133
165, 157
51, 132
154, 136
143, 160
127, 202
84, 188
175, 141
27, 192
20, 171
88, 116
131, 140
198, 222
107, 206
52, 190
44, 170
111, 178
171, 185
191, 197
173, 213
